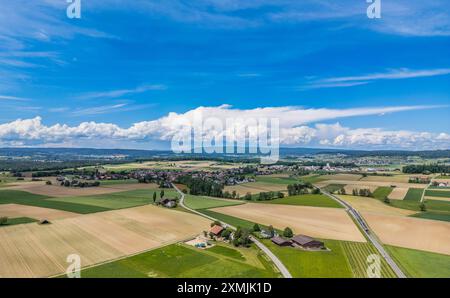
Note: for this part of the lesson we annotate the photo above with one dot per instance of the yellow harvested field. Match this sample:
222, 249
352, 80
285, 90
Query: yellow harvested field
398, 193
410, 232
394, 178
437, 198
363, 204
60, 191
349, 177
14, 210
325, 223
375, 183
255, 188
41, 250
350, 187
177, 165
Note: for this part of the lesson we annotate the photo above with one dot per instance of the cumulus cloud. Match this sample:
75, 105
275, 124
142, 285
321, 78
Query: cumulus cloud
293, 129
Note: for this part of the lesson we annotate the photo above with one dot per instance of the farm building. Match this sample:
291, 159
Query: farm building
307, 242
216, 230
281, 241
169, 203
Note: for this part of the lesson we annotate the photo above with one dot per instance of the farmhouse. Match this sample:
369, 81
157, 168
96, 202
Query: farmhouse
169, 203
216, 230
281, 241
307, 242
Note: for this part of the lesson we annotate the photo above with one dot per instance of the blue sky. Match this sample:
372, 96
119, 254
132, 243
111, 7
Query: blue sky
126, 63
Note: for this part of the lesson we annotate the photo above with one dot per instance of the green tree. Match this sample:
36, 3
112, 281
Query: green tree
386, 200
3, 220
248, 196
256, 228
288, 232
161, 195
154, 197
423, 207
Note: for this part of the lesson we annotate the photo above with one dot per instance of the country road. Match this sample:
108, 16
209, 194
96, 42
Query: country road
264, 248
369, 233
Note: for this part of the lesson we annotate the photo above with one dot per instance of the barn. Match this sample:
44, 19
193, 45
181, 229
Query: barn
307, 242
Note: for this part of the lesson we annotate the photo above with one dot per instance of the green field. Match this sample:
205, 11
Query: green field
226, 251
436, 205
198, 202
312, 178
26, 198
421, 264
234, 221
413, 195
18, 221
331, 188
276, 180
382, 192
118, 182
437, 193
118, 200
357, 254
186, 262
317, 264
306, 200
85, 204
444, 216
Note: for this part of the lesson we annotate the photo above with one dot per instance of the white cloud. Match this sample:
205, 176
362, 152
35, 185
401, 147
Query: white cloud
396, 74
7, 97
293, 129
122, 92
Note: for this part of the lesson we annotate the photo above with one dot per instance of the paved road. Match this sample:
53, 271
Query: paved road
369, 233
264, 248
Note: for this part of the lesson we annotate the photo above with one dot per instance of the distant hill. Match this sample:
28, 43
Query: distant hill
99, 154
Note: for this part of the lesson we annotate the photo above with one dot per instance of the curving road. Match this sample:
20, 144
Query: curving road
368, 232
264, 248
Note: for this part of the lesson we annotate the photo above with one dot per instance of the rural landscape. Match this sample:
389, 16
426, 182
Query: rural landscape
220, 147
181, 217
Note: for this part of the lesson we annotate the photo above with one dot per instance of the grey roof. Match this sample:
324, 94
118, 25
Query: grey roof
302, 239
279, 240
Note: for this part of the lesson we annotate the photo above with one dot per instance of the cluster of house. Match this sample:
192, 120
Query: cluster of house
440, 184
301, 241
225, 177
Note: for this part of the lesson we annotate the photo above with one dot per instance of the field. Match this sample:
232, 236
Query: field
326, 223
15, 210
314, 264
306, 200
41, 188
438, 194
398, 193
29, 199
333, 187
414, 194
357, 254
18, 221
197, 202
421, 264
186, 262
255, 188
176, 165
382, 192
366, 184
364, 204
411, 232
118, 200
39, 251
